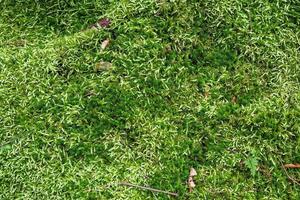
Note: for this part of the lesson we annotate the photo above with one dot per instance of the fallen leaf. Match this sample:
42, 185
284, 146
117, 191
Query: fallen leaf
234, 99
105, 43
105, 22
168, 48
292, 166
206, 94
102, 23
102, 66
191, 184
193, 172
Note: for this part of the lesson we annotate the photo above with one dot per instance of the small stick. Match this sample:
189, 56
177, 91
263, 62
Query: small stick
291, 178
287, 174
148, 188
292, 166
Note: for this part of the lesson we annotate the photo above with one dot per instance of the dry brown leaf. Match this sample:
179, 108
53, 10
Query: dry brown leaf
234, 99
191, 184
292, 166
104, 22
105, 43
102, 66
206, 94
193, 172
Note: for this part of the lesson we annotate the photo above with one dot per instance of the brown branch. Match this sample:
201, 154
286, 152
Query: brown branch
287, 174
292, 166
148, 188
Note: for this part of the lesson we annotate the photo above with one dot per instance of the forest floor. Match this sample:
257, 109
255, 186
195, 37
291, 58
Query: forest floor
212, 85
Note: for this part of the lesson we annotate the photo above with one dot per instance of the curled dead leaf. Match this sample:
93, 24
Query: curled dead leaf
102, 23
191, 184
105, 43
102, 66
193, 172
105, 22
234, 99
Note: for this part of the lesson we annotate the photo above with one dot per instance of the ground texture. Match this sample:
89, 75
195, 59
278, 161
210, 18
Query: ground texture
207, 84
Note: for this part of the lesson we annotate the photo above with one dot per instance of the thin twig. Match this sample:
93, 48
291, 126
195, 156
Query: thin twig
292, 166
287, 174
148, 188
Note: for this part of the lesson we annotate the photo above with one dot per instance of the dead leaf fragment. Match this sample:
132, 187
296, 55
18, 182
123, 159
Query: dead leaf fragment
292, 166
193, 172
105, 22
105, 43
234, 99
102, 23
168, 49
102, 66
191, 184
206, 94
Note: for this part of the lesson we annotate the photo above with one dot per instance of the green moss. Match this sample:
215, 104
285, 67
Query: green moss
191, 84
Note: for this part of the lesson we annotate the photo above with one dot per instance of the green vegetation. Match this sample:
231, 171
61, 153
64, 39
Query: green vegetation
207, 84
